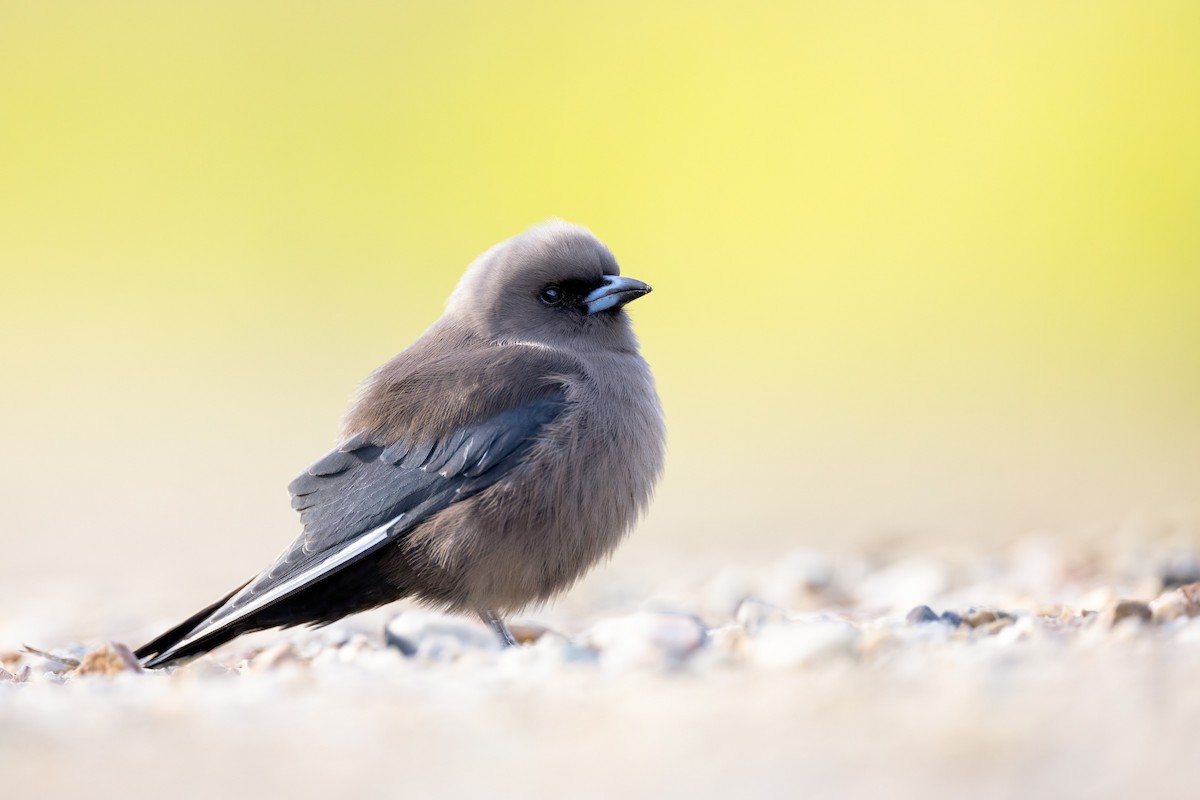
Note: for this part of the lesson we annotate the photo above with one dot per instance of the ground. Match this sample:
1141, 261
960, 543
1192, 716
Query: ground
1034, 670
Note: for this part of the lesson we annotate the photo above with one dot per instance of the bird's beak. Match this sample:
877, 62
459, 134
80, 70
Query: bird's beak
615, 292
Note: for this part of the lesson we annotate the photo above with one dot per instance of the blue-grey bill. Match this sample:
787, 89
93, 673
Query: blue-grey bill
614, 293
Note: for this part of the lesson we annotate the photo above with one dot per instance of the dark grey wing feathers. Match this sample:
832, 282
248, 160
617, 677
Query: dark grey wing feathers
333, 463
395, 454
373, 484
355, 442
361, 496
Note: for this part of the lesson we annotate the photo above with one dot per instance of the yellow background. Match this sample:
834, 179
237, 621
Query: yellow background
927, 270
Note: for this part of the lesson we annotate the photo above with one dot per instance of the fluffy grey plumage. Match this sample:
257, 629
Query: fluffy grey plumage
487, 466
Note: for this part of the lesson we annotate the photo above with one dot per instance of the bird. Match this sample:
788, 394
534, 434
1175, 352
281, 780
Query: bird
486, 467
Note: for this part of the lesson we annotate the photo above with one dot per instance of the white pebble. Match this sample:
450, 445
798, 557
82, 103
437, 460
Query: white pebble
799, 643
646, 639
753, 614
1175, 604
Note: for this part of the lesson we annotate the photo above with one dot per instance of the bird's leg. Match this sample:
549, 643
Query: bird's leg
495, 623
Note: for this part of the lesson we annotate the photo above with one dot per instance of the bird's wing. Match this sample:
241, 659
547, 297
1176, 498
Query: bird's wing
363, 495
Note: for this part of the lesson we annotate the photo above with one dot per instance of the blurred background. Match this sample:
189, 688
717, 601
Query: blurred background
925, 272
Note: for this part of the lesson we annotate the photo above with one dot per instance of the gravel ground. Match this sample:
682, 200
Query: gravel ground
1038, 671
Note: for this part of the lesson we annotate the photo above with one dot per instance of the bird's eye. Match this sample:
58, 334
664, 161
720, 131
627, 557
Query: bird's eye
552, 295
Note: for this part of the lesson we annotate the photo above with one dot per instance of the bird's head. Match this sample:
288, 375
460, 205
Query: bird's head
554, 285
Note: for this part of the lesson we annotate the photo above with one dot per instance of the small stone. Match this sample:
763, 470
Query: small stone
647, 639
752, 614
997, 625
984, 616
350, 651
1053, 612
527, 632
1123, 610
729, 639
273, 657
1177, 603
558, 649
952, 619
110, 660
438, 637
1022, 628
800, 643
922, 614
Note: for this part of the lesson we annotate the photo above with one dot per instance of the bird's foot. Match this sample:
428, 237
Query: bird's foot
495, 623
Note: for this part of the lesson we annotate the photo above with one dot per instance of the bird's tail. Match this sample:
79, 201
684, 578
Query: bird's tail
154, 653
